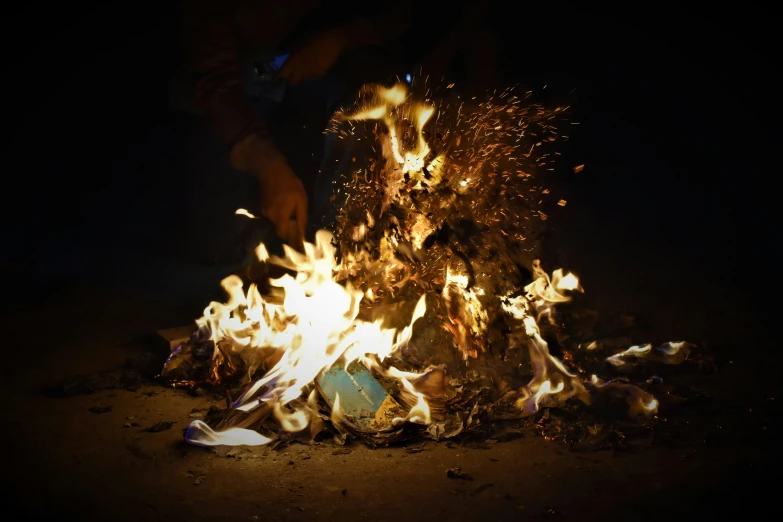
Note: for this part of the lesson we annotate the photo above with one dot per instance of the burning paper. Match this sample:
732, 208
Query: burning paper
428, 280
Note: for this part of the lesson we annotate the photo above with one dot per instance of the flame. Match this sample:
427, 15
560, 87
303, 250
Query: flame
542, 295
202, 434
243, 212
315, 326
337, 413
420, 413
669, 353
467, 316
639, 401
549, 290
389, 106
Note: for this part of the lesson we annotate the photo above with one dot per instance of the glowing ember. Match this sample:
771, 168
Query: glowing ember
442, 218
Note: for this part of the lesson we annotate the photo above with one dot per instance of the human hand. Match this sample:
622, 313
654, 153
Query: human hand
283, 198
282, 194
315, 58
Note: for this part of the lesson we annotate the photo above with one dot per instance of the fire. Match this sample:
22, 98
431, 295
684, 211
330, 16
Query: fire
244, 212
316, 325
467, 317
312, 318
669, 353
639, 401
542, 294
420, 413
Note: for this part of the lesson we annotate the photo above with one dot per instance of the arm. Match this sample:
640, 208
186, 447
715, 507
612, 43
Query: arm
212, 57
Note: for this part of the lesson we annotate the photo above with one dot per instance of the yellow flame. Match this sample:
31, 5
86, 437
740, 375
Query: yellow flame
243, 212
420, 413
669, 353
261, 253
549, 290
639, 401
395, 95
673, 348
380, 106
337, 413
375, 113
316, 325
542, 295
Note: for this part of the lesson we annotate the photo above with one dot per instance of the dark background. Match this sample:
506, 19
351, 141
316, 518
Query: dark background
676, 109
674, 213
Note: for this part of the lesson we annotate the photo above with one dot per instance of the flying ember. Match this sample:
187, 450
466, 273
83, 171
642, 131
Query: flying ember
425, 297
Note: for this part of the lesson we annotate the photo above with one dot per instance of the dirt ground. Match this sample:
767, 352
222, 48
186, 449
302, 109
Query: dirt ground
71, 459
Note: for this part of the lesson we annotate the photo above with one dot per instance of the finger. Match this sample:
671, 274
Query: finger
276, 217
281, 227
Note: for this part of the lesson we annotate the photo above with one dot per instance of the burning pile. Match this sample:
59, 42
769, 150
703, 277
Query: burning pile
426, 295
